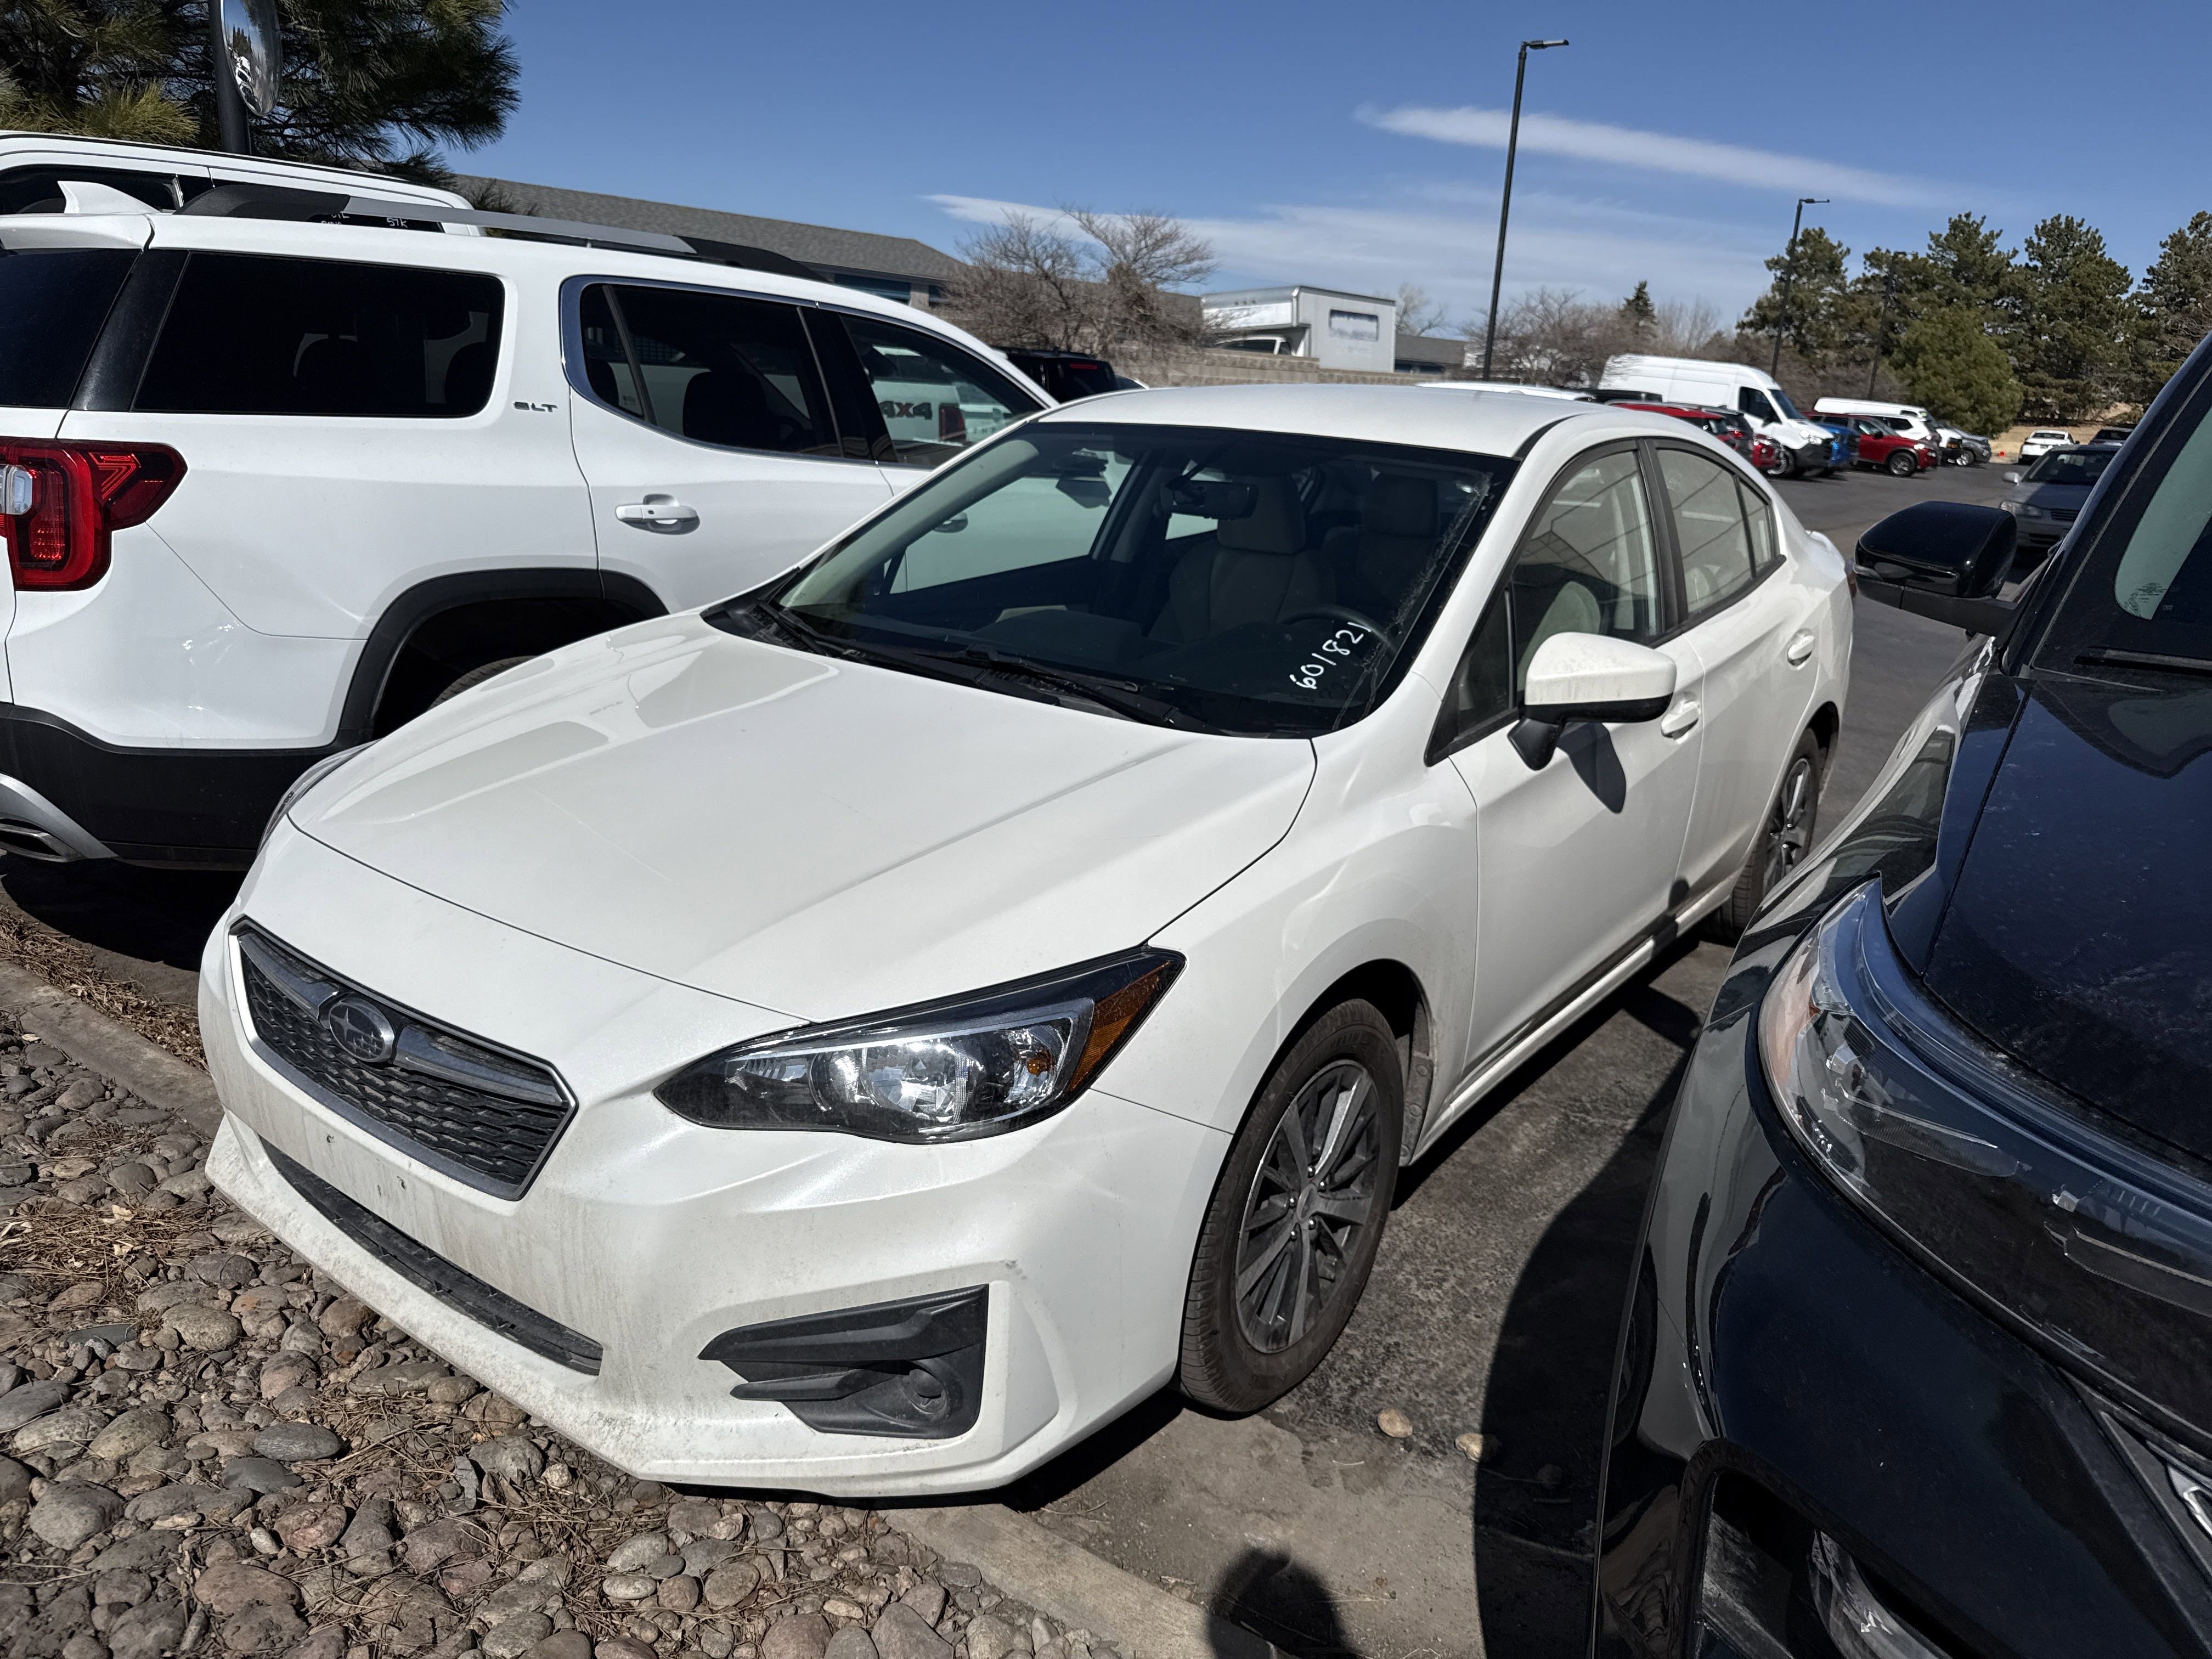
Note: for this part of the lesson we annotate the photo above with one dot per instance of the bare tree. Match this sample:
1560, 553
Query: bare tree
1555, 337
1104, 281
1417, 313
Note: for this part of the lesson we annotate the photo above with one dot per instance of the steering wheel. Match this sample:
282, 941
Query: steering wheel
1343, 613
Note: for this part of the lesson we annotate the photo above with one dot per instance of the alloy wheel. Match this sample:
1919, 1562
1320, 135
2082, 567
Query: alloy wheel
1789, 826
1312, 1195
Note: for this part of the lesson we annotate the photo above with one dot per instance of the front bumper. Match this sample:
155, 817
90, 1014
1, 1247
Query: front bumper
652, 1237
1787, 1369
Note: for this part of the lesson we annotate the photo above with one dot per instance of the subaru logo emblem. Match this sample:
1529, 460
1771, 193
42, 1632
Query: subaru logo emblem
361, 1029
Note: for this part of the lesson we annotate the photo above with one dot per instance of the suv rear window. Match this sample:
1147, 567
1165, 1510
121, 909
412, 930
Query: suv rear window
248, 334
52, 302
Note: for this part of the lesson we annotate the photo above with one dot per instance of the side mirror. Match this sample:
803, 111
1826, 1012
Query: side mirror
2011, 478
1943, 560
1588, 677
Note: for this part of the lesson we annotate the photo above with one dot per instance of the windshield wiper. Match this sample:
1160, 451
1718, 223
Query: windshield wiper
1121, 697
2156, 660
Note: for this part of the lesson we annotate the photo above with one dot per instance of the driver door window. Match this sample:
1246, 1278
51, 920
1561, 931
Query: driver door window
1754, 402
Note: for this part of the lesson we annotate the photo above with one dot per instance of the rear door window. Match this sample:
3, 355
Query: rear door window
1710, 536
247, 334
936, 399
715, 369
52, 302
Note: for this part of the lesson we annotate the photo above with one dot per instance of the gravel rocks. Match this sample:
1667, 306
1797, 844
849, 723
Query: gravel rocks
297, 1443
235, 1456
68, 1513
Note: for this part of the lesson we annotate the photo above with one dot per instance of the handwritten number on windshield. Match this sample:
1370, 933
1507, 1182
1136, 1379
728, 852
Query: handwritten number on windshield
1334, 650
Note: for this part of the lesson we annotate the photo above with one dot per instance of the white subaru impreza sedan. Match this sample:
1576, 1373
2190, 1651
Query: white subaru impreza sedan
865, 1035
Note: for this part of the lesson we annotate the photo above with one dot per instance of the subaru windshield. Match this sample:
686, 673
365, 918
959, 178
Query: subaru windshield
1249, 582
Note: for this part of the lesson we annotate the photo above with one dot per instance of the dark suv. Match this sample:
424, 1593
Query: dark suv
1918, 1361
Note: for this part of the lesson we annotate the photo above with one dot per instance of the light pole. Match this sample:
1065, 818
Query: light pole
1881, 327
1789, 272
1506, 203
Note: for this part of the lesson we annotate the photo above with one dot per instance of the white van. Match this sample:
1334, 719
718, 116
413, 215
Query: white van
1800, 446
1917, 423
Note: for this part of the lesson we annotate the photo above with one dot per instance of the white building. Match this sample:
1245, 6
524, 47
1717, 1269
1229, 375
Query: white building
1336, 328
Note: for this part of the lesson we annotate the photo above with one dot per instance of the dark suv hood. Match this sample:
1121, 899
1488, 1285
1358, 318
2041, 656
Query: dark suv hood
2078, 935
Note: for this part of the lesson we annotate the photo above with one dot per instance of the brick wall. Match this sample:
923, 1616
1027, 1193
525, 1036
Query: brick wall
1205, 366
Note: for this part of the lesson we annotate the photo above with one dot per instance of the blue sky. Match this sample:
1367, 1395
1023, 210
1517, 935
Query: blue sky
1362, 145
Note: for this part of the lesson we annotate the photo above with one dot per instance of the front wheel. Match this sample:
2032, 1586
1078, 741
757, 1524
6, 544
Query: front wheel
1784, 466
1297, 1214
476, 676
1784, 839
1903, 463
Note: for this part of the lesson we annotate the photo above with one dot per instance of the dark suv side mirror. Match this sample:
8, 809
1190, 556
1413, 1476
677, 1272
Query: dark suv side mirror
1943, 560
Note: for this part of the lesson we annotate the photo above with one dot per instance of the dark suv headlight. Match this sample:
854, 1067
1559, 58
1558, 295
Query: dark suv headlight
950, 1071
2096, 1244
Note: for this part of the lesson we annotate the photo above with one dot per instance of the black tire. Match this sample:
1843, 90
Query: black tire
1279, 1205
1902, 464
476, 676
1784, 839
1785, 464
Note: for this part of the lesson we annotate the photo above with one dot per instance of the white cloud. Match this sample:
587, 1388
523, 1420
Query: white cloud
1592, 141
1555, 244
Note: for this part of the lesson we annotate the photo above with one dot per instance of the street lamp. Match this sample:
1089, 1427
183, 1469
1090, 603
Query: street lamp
1789, 271
1505, 203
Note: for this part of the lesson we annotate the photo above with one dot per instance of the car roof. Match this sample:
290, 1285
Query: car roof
1480, 422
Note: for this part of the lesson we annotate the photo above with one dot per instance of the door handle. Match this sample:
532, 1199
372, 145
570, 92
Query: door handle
658, 512
1799, 651
1680, 717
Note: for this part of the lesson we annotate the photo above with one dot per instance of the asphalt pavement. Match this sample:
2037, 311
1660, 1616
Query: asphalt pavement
1492, 1310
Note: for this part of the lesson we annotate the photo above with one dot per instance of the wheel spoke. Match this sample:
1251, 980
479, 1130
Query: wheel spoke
1292, 1133
1351, 1113
1305, 1292
1342, 1207
1285, 1230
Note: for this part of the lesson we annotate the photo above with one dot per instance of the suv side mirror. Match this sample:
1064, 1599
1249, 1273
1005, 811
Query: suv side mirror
1588, 677
1943, 560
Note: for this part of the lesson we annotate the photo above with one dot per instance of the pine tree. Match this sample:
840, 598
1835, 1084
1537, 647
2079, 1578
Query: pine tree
1964, 268
366, 82
2173, 307
1816, 324
1637, 312
1947, 361
2066, 321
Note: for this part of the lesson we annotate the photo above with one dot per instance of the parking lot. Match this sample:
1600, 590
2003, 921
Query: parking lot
1492, 1310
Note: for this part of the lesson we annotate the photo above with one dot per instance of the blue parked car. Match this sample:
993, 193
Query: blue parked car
1844, 453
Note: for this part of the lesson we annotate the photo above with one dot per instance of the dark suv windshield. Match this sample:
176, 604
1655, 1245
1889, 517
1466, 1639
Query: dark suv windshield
2143, 600
1250, 582
2071, 466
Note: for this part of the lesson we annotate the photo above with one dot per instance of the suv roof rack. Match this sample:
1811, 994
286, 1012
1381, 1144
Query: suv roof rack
286, 202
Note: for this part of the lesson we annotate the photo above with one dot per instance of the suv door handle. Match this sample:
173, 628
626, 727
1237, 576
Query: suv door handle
658, 512
1800, 648
1680, 717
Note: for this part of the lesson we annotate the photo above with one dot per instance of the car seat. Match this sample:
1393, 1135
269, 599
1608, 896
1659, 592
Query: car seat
1378, 562
721, 406
1252, 570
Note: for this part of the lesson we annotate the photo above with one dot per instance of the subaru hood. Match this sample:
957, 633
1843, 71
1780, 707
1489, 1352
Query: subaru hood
808, 835
2077, 935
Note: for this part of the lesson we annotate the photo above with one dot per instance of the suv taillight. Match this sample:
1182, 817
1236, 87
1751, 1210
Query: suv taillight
68, 498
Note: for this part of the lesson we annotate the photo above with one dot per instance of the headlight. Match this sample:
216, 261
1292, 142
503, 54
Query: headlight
2028, 510
307, 780
2100, 1247
950, 1070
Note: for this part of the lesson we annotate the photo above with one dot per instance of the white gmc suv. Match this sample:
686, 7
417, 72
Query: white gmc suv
289, 454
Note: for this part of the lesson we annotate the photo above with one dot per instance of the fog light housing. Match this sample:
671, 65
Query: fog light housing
911, 1369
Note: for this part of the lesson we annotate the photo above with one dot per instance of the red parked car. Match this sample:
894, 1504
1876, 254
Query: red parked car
1881, 445
1726, 424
